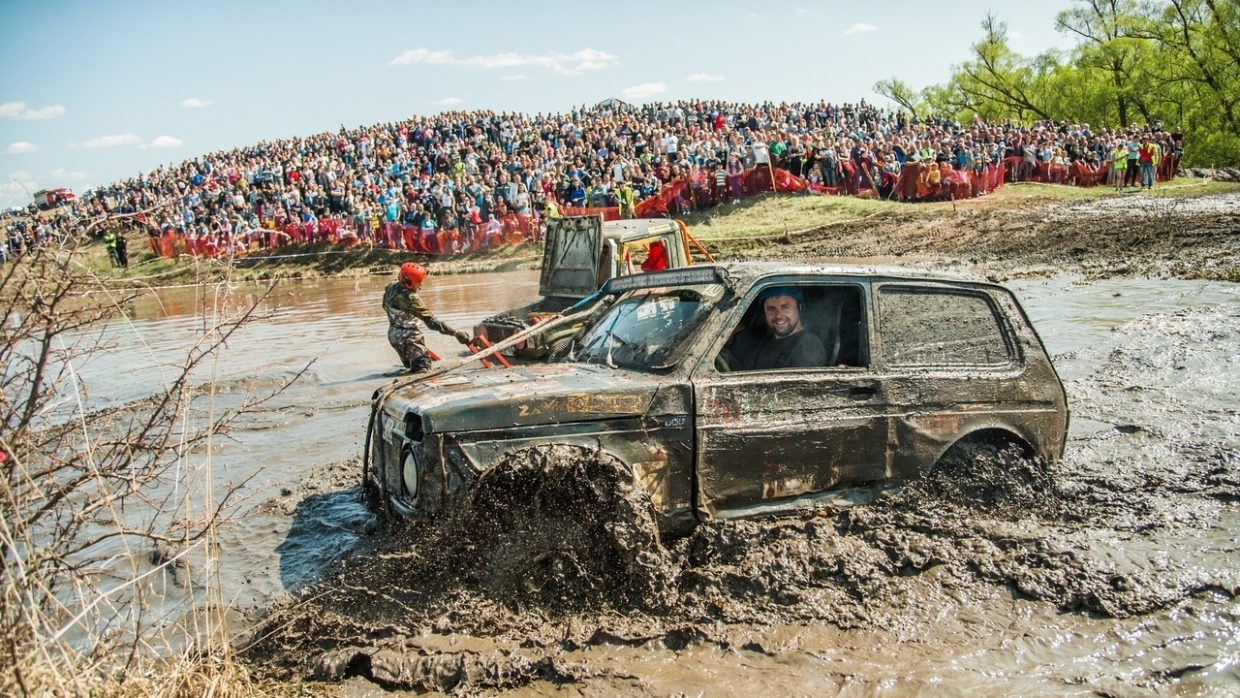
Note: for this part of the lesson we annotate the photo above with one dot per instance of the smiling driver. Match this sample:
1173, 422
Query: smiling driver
786, 344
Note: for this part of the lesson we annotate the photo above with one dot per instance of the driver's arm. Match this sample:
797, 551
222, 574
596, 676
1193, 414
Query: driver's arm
738, 353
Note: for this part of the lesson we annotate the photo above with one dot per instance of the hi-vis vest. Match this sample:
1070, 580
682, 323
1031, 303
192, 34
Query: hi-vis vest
1119, 159
1154, 151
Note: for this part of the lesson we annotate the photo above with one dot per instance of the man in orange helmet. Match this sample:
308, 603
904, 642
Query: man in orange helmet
403, 307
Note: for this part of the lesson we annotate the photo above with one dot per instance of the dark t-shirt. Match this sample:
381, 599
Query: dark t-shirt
753, 352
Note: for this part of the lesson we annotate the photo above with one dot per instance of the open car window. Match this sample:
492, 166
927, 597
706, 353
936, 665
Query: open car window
834, 333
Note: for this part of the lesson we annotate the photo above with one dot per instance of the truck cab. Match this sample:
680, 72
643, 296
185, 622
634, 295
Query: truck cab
580, 255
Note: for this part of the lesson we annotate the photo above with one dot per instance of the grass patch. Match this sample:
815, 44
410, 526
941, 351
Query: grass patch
773, 215
1181, 187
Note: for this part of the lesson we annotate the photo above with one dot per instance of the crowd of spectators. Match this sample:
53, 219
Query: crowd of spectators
462, 171
21, 233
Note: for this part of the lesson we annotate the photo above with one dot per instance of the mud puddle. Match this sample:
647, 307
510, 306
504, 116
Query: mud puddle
1141, 205
1122, 579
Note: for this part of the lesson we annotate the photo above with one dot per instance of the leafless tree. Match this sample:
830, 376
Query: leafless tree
97, 499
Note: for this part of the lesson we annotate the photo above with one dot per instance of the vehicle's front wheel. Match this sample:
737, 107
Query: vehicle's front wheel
563, 523
991, 473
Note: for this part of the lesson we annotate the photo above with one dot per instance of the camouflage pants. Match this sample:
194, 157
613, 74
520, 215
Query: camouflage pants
411, 347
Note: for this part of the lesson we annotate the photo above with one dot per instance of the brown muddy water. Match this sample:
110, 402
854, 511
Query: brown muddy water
1124, 582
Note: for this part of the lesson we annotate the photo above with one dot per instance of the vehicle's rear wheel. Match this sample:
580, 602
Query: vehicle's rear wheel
558, 523
991, 473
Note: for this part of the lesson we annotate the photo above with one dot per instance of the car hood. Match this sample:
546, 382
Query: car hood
524, 396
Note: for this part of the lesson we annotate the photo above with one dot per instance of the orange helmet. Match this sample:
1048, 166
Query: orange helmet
412, 274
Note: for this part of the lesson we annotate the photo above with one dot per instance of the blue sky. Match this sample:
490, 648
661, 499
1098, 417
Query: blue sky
91, 92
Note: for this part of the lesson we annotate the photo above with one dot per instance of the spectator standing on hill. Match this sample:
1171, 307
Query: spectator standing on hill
109, 243
735, 172
1132, 168
1149, 157
1119, 163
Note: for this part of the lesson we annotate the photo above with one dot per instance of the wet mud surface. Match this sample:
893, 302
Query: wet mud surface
1119, 579
1116, 575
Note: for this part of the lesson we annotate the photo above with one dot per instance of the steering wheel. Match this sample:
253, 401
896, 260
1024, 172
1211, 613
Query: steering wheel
721, 364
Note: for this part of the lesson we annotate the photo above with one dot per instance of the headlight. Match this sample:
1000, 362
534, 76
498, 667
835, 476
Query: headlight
410, 475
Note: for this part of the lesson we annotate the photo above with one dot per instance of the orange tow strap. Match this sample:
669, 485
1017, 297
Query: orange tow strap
474, 350
488, 345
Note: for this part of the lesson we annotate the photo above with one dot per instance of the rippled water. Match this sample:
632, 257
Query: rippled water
300, 513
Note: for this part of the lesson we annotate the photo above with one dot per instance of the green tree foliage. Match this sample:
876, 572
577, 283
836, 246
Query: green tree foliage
1174, 62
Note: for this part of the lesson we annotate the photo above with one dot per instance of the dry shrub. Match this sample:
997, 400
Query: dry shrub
97, 498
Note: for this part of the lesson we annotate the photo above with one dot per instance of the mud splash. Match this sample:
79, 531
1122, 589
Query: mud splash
1138, 523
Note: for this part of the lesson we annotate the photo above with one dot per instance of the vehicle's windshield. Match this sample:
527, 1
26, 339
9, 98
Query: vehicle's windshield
645, 328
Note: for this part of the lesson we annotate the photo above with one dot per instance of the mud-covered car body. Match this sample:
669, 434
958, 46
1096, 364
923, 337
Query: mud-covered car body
579, 255
917, 364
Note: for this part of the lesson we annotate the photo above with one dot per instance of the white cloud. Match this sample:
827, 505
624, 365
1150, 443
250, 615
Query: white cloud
45, 113
859, 29
644, 90
195, 103
704, 77
422, 55
450, 100
19, 110
1014, 35
112, 141
562, 63
519, 76
21, 147
165, 142
65, 174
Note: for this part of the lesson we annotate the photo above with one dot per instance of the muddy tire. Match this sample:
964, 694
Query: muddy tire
372, 495
989, 474
565, 524
373, 499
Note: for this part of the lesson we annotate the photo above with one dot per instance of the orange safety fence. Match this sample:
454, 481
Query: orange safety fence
511, 229
609, 213
938, 181
1080, 174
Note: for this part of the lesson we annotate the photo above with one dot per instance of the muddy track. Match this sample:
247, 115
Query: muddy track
471, 606
1156, 461
1151, 236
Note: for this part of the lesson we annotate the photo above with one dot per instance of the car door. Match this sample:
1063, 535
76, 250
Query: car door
954, 367
765, 437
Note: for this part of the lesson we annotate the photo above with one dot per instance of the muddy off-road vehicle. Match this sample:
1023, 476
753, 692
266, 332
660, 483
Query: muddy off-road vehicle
580, 254
649, 413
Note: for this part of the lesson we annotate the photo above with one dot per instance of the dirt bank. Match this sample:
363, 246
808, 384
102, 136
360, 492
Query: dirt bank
1152, 467
1133, 234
